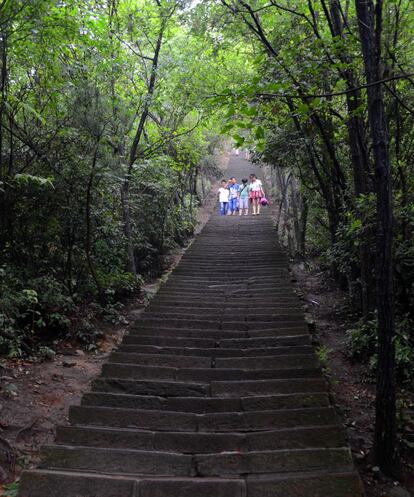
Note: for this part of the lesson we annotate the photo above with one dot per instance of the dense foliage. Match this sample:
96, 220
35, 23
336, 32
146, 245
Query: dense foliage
107, 148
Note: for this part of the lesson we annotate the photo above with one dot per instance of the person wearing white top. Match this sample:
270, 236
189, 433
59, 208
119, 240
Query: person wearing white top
256, 193
223, 194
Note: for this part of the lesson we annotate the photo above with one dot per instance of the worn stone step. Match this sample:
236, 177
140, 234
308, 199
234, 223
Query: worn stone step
248, 388
344, 484
264, 342
225, 315
281, 361
116, 461
215, 283
148, 387
202, 289
216, 351
278, 461
236, 298
205, 404
177, 329
117, 370
48, 483
224, 322
234, 307
214, 290
179, 332
163, 341
218, 277
169, 360
207, 422
201, 443
224, 276
297, 361
192, 262
202, 322
195, 487
136, 332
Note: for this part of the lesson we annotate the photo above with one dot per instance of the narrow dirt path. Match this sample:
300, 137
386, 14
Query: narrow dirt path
216, 391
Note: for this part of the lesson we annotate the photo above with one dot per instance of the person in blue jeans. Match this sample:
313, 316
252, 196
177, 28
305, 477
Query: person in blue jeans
223, 195
234, 189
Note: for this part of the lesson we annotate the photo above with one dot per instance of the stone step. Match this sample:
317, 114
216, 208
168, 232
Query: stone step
44, 483
168, 360
136, 333
224, 322
209, 422
220, 278
284, 361
202, 405
151, 319
237, 298
49, 483
152, 388
201, 443
216, 351
165, 341
215, 284
264, 342
344, 484
117, 370
236, 309
216, 293
201, 329
194, 261
116, 461
256, 388
277, 461
135, 462
224, 315
281, 361
219, 335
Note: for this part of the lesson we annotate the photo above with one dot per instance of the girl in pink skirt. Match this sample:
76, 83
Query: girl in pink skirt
256, 192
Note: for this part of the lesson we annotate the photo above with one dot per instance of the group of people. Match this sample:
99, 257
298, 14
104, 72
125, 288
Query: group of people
235, 198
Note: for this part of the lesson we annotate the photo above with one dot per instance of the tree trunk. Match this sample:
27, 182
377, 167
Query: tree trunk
370, 28
360, 167
88, 238
126, 211
3, 167
303, 226
134, 151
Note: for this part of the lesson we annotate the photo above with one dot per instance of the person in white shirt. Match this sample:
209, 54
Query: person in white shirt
223, 195
256, 193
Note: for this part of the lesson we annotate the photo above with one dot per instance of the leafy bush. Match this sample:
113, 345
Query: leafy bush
362, 342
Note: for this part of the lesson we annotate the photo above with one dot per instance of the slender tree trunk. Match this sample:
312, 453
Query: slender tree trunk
3, 166
303, 226
134, 151
360, 165
295, 199
370, 28
88, 238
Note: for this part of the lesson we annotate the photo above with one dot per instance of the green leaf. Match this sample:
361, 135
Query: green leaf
239, 140
259, 133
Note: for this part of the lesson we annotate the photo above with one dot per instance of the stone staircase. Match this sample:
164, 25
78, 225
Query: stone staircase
215, 392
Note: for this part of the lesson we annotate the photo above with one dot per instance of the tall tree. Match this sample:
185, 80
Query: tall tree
370, 18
